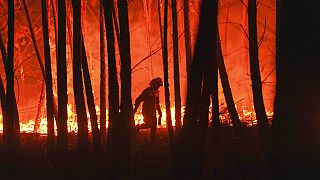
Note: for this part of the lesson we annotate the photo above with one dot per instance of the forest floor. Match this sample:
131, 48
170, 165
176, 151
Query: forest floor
227, 157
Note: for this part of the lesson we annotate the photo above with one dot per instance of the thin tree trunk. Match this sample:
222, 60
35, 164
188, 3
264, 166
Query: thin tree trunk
161, 36
177, 96
15, 110
112, 74
4, 110
126, 117
77, 79
187, 41
49, 94
226, 86
90, 98
215, 91
10, 98
116, 24
103, 103
166, 76
254, 67
62, 138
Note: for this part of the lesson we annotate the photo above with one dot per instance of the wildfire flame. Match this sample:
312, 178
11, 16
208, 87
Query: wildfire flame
248, 117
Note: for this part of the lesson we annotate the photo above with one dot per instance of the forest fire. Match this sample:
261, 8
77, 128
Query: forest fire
247, 117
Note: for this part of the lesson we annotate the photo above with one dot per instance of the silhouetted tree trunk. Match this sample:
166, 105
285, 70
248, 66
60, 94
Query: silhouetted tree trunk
15, 110
116, 25
10, 97
113, 87
166, 76
126, 116
215, 91
226, 86
161, 36
2, 90
255, 69
77, 78
296, 125
187, 36
62, 138
189, 151
3, 107
103, 103
177, 96
90, 98
49, 95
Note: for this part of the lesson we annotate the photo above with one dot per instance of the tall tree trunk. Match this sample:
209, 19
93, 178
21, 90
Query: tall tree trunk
296, 124
166, 76
2, 90
177, 96
62, 138
254, 67
90, 98
190, 142
113, 99
226, 86
215, 90
15, 110
187, 36
126, 117
10, 98
103, 103
116, 24
77, 79
161, 36
49, 95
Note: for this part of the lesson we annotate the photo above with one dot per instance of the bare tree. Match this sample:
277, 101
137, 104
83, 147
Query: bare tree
226, 86
126, 117
77, 79
62, 138
49, 94
255, 68
177, 96
187, 36
103, 103
10, 96
166, 75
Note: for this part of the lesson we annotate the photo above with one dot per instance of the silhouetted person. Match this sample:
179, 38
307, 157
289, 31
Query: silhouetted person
150, 98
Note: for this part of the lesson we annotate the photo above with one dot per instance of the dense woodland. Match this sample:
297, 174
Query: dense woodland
194, 143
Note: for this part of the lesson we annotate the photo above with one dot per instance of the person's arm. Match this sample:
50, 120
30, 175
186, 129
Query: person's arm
158, 107
139, 100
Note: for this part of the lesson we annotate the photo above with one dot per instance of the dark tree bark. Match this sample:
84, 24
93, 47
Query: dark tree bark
15, 110
49, 95
166, 76
215, 92
62, 138
77, 79
296, 125
161, 36
187, 36
226, 86
191, 140
122, 164
40, 104
177, 96
113, 86
2, 90
10, 96
90, 98
255, 69
103, 103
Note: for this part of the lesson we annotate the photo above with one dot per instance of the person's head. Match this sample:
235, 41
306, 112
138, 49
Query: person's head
156, 83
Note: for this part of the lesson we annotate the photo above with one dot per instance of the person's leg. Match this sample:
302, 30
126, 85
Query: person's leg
153, 129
